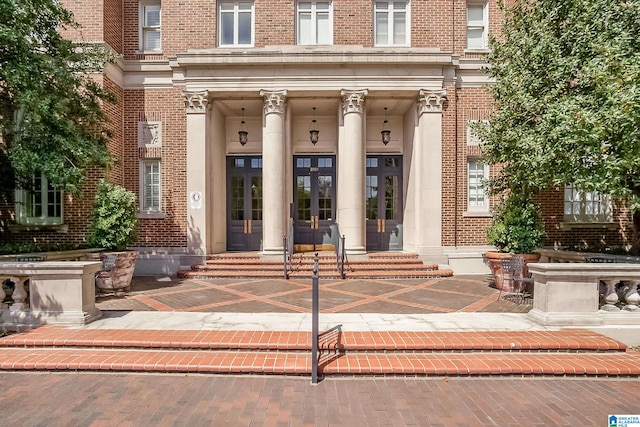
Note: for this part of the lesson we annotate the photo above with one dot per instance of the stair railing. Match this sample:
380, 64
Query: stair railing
338, 247
287, 249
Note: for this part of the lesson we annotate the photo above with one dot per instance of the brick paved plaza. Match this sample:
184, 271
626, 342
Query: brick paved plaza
87, 399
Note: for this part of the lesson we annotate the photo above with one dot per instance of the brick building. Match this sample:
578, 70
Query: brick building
195, 74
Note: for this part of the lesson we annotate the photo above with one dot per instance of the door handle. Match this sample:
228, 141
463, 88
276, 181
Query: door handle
244, 223
378, 225
250, 226
384, 225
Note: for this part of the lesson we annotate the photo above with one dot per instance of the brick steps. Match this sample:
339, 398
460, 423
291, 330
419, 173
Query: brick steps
530, 353
378, 266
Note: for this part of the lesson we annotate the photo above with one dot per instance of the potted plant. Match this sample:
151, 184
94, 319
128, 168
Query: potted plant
516, 230
113, 227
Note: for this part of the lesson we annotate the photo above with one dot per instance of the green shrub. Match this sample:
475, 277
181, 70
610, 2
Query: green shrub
115, 217
516, 227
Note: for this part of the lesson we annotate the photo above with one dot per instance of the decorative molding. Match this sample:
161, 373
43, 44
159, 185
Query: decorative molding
274, 100
431, 101
149, 134
353, 100
196, 102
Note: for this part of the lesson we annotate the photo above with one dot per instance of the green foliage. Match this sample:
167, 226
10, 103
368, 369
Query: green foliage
517, 227
114, 219
51, 118
29, 247
567, 98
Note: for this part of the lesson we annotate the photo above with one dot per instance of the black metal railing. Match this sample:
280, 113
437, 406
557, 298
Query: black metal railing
287, 249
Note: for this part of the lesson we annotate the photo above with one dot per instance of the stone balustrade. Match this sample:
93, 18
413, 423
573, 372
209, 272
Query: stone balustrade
60, 292
582, 294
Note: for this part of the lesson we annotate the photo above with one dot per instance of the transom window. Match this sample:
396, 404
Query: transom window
477, 23
314, 23
586, 207
42, 204
477, 174
236, 23
391, 23
150, 33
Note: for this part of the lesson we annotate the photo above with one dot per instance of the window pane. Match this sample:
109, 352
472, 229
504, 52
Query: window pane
475, 16
245, 5
304, 28
475, 38
399, 28
152, 16
399, 5
382, 28
152, 40
244, 28
323, 29
226, 32
322, 6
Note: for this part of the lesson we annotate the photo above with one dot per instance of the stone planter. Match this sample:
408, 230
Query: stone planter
118, 278
494, 261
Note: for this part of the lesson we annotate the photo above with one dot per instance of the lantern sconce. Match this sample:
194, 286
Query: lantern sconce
386, 133
314, 133
243, 135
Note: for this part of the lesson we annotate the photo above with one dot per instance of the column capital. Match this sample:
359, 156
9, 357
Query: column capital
353, 100
274, 100
431, 100
195, 102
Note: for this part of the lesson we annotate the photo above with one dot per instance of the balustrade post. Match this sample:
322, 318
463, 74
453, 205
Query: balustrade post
611, 297
632, 297
19, 295
3, 294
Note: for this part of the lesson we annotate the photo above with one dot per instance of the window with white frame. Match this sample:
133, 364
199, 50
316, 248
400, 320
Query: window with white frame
150, 186
235, 23
391, 23
41, 204
150, 33
314, 23
477, 174
586, 207
477, 25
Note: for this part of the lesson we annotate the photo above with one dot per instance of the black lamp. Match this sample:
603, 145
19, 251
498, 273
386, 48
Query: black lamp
243, 135
314, 133
386, 133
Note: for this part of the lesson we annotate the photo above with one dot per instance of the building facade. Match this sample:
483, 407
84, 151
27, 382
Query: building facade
240, 122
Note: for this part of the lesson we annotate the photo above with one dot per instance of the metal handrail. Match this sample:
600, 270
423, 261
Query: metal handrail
287, 249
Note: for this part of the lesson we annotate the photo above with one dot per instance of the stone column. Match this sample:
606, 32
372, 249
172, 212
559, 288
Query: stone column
428, 154
196, 106
351, 173
274, 212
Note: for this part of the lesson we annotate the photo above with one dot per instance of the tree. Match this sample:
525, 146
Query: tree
51, 116
567, 98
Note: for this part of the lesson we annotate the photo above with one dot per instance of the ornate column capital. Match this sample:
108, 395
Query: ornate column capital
353, 100
274, 100
430, 101
195, 101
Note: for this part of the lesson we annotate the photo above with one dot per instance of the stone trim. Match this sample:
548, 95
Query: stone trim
274, 101
353, 100
431, 101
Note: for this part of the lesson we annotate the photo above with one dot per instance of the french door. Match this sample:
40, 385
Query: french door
244, 203
384, 203
314, 208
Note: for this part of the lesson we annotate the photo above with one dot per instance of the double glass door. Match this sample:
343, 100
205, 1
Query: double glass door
383, 195
244, 203
314, 201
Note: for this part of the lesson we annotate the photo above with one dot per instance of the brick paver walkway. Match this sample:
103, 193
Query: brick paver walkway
400, 296
192, 400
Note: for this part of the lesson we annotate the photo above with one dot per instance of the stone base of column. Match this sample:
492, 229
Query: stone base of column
356, 250
272, 252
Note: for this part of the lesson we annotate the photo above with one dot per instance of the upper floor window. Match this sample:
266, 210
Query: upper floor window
236, 23
391, 28
150, 35
477, 174
477, 24
41, 204
314, 23
586, 206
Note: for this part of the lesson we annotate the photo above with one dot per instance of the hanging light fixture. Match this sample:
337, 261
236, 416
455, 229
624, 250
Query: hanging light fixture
243, 135
386, 133
314, 133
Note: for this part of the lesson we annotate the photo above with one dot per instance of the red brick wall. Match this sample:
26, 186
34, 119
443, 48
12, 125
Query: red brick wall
89, 14
113, 24
166, 106
353, 22
275, 22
